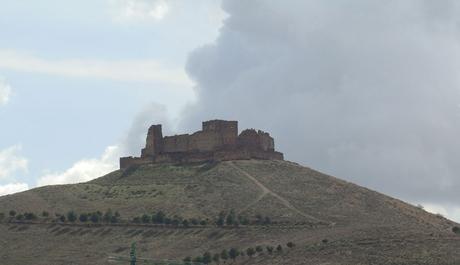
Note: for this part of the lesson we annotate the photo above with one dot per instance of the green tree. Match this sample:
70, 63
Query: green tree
243, 220
132, 254
203, 222
136, 220
224, 255
62, 218
269, 249
216, 257
207, 257
45, 214
71, 216
12, 213
20, 217
233, 253
250, 252
290, 245
115, 218
185, 223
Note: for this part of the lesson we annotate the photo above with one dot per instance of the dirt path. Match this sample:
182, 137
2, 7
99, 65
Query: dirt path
266, 191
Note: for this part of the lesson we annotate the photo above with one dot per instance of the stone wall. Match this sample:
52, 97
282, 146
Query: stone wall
218, 140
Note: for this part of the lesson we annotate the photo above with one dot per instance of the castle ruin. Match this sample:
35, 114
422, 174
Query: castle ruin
217, 141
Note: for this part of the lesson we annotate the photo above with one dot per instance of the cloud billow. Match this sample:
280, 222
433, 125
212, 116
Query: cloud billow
365, 90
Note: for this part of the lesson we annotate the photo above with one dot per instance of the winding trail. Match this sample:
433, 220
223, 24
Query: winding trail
266, 191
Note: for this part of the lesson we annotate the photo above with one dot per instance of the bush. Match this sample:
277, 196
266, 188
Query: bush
325, 241
233, 253
107, 218
2, 215
198, 259
259, 249
269, 249
159, 217
12, 213
72, 216
20, 217
243, 220
145, 218
83, 218
290, 245
137, 220
115, 218
250, 252
231, 218
187, 260
216, 258
221, 219
279, 248
95, 217
456, 229
224, 255
203, 222
207, 258
62, 218
185, 223
30, 216
45, 214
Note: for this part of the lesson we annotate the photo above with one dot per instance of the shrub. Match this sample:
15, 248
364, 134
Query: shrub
20, 217
95, 217
267, 220
145, 218
115, 218
325, 241
2, 215
187, 260
269, 249
221, 219
216, 258
107, 218
194, 221
30, 216
185, 223
72, 216
62, 218
233, 253
231, 218
83, 218
12, 213
207, 258
259, 249
456, 229
203, 222
137, 220
279, 248
45, 214
250, 252
198, 259
290, 245
224, 255
243, 220
159, 217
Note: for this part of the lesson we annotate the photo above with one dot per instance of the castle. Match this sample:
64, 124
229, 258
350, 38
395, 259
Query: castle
217, 141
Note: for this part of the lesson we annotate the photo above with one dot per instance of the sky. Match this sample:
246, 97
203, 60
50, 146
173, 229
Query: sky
364, 90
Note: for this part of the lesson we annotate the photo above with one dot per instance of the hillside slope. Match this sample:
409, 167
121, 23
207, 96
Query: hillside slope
304, 206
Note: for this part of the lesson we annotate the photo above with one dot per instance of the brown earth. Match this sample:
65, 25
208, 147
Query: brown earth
331, 221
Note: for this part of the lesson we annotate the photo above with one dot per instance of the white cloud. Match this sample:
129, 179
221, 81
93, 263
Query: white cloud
128, 10
451, 212
85, 169
13, 188
5, 91
121, 70
11, 162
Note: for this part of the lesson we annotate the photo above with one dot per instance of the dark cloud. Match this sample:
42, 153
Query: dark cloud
365, 90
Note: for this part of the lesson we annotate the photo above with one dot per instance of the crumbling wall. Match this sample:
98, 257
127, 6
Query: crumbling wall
154, 141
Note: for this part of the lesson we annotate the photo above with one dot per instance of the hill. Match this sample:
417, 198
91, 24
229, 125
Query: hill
329, 220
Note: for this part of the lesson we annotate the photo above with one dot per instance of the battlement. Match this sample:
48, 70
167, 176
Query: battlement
217, 141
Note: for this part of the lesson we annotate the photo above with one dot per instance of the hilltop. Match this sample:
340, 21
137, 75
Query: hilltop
328, 219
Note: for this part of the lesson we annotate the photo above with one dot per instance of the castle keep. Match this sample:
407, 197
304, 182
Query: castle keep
217, 141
